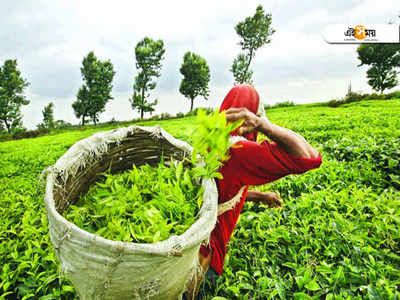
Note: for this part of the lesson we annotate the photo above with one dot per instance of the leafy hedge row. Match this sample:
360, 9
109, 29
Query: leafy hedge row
355, 97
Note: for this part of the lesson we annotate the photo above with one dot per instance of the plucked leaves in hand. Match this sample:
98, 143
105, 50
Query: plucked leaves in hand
210, 140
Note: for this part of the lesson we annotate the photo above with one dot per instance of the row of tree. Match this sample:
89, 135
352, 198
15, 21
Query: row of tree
95, 92
98, 75
254, 32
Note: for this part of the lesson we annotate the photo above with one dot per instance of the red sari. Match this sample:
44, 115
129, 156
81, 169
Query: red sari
250, 164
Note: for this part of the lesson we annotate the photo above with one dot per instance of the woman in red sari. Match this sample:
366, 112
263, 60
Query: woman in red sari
251, 163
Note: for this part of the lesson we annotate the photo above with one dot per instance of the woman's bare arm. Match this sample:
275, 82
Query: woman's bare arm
292, 142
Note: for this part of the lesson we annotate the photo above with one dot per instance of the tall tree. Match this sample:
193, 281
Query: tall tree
240, 69
12, 87
383, 59
96, 91
196, 76
149, 54
48, 116
255, 32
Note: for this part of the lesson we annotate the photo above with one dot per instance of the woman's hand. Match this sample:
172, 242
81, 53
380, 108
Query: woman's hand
271, 199
251, 121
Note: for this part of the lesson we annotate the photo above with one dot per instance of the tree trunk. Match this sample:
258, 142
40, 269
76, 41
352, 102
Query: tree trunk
248, 65
191, 104
141, 108
381, 79
7, 125
83, 120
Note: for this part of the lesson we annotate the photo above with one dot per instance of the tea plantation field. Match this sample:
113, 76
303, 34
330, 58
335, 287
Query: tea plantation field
337, 236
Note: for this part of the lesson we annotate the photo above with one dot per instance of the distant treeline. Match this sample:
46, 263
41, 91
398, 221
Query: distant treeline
356, 97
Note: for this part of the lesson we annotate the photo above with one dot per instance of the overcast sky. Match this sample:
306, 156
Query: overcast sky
50, 38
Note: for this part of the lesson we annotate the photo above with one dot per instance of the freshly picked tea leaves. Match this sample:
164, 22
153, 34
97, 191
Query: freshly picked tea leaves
143, 205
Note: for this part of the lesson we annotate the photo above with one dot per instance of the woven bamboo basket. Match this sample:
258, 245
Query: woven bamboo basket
105, 269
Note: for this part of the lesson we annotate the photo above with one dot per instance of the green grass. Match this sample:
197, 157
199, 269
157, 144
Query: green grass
337, 236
